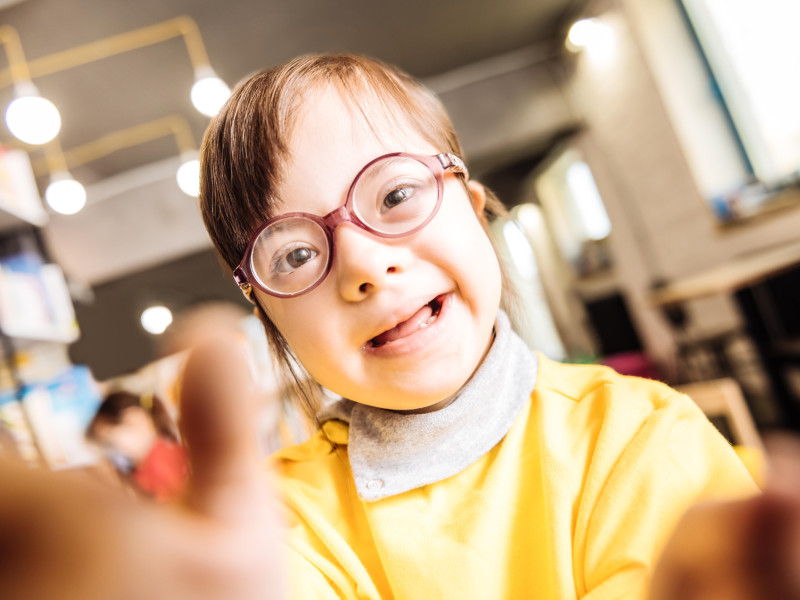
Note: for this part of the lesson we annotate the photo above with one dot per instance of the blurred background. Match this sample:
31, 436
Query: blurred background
649, 153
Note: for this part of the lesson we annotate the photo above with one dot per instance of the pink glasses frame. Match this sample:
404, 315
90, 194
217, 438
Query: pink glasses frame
438, 164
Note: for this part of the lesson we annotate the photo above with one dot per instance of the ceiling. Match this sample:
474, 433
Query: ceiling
241, 36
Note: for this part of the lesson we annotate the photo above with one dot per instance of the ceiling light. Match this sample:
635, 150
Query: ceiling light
65, 195
156, 319
31, 118
188, 176
585, 33
209, 92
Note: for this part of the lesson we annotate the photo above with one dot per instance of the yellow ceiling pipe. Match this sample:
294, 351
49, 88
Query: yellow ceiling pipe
175, 125
208, 94
36, 120
67, 196
18, 69
182, 26
31, 118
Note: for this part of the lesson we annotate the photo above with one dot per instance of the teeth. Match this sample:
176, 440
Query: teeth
436, 308
422, 325
429, 321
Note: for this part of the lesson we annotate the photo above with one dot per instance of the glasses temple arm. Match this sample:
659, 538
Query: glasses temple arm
241, 280
451, 162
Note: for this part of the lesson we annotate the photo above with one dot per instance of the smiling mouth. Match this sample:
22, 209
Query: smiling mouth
424, 317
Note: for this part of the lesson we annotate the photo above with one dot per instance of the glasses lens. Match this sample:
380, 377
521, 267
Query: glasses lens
396, 195
290, 255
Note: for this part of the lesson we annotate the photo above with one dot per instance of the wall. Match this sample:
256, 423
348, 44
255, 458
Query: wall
661, 226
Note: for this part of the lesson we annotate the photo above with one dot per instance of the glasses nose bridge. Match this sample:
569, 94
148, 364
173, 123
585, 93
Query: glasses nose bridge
335, 218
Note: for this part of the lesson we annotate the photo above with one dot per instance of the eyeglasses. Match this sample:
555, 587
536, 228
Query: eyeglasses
393, 196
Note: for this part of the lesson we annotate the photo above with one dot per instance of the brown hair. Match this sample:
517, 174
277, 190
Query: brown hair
246, 145
114, 405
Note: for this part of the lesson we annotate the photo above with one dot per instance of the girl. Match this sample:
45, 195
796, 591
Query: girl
458, 463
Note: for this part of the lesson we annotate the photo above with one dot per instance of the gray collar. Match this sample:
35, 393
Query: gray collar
391, 453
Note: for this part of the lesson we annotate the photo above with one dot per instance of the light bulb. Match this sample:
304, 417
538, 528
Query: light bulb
156, 319
209, 92
65, 195
585, 33
188, 177
31, 118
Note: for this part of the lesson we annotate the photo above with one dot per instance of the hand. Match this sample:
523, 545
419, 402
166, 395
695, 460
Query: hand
65, 537
747, 550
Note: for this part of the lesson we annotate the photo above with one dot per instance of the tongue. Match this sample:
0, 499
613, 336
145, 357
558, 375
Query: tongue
405, 328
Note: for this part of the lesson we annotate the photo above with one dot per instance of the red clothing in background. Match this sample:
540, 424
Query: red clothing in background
162, 474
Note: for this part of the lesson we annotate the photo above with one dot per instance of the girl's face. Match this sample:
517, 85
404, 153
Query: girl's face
132, 437
437, 290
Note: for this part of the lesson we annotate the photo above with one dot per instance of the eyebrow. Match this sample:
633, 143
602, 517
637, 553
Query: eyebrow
378, 168
384, 164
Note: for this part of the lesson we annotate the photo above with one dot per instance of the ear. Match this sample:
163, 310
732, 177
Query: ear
477, 195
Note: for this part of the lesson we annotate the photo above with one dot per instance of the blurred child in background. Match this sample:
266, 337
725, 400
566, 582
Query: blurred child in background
139, 438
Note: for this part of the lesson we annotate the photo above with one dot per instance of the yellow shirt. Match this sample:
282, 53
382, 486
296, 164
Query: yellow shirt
576, 501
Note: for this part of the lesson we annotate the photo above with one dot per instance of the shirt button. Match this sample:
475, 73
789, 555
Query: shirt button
374, 485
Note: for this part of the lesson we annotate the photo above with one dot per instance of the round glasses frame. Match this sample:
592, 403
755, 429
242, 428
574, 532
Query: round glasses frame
244, 274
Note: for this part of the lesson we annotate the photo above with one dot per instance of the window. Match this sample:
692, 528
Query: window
575, 213
753, 52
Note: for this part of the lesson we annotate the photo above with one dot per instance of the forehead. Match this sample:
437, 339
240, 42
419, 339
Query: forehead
332, 139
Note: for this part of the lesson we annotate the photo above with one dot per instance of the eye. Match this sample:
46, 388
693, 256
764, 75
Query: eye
396, 197
291, 259
297, 258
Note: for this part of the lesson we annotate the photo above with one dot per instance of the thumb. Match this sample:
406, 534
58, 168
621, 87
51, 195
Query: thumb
219, 410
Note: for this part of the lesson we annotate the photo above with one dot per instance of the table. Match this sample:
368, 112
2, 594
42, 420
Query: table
749, 279
737, 273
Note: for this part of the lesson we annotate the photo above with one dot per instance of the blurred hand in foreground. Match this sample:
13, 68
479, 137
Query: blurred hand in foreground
747, 550
63, 536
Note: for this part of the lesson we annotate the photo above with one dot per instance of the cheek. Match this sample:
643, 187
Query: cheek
298, 322
487, 271
289, 323
319, 345
474, 256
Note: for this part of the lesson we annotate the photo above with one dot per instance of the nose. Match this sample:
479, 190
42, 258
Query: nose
364, 262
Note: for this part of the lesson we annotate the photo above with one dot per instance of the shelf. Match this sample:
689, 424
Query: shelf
20, 203
37, 322
36, 306
60, 335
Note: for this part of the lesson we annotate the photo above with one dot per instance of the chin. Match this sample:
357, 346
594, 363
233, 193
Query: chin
410, 400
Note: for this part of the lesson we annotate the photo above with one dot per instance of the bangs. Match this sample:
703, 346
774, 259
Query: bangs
410, 112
